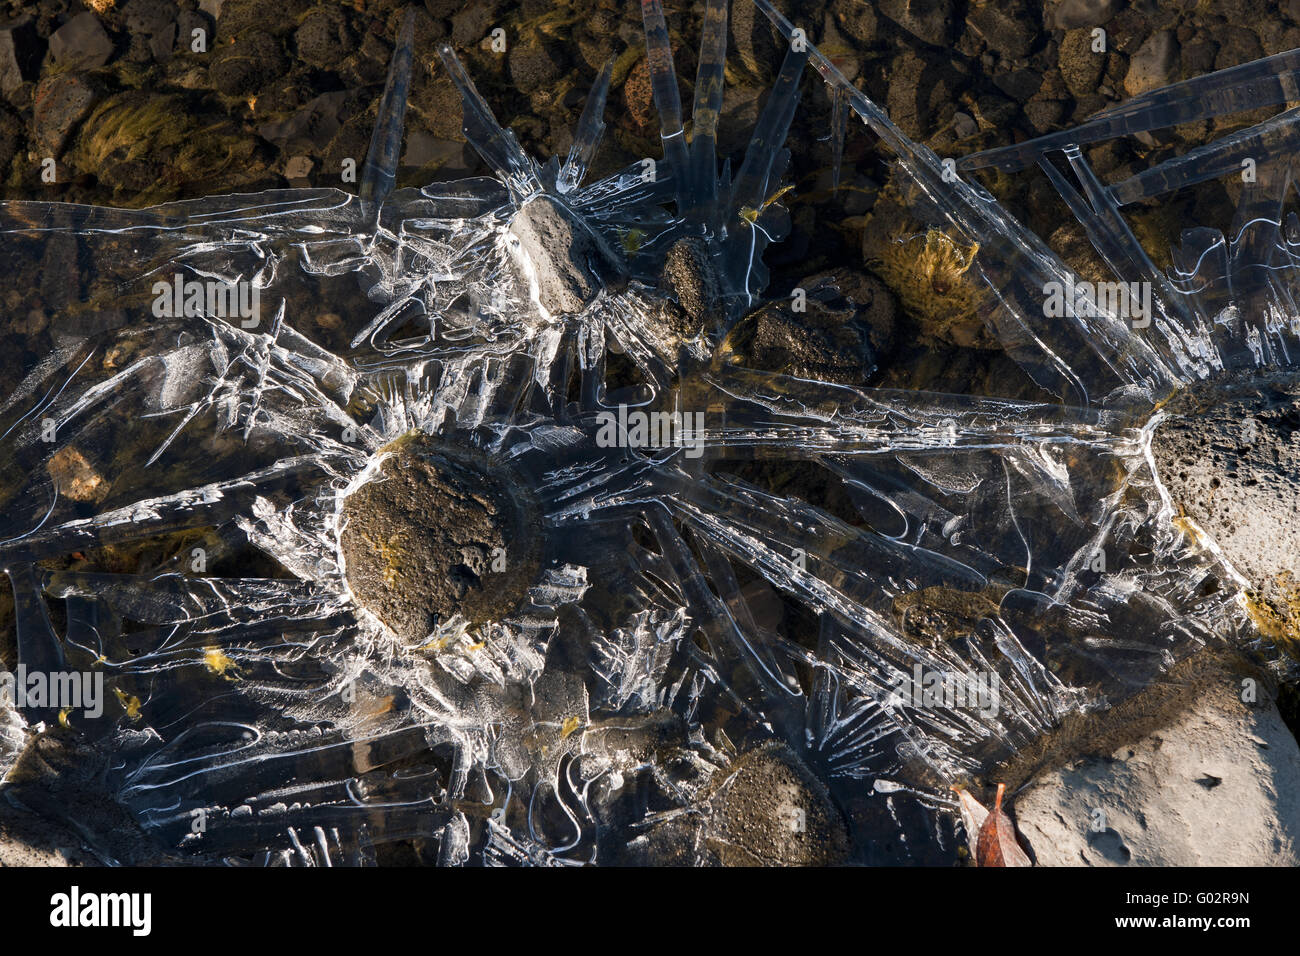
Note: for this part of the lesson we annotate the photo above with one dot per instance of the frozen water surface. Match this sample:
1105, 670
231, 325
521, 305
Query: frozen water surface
262, 714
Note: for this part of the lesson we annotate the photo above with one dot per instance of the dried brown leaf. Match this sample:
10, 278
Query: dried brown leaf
997, 844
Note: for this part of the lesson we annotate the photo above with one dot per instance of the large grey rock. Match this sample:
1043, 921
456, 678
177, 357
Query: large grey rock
561, 261
81, 43
1218, 786
1230, 459
20, 58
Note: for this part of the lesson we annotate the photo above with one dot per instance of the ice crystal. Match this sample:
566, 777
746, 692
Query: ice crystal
271, 717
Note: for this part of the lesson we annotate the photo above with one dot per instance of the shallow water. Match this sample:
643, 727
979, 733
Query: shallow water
174, 489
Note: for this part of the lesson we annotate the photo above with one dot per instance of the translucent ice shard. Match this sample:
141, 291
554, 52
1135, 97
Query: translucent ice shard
839, 126
1265, 82
663, 81
1089, 353
709, 83
379, 174
586, 139
668, 581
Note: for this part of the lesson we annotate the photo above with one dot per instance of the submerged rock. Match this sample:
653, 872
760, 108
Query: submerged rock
81, 43
827, 334
690, 278
765, 809
325, 38
29, 840
19, 55
559, 259
1070, 14
535, 66
1005, 27
317, 122
156, 21
1154, 65
440, 532
772, 811
62, 101
1081, 67
76, 477
246, 65
930, 21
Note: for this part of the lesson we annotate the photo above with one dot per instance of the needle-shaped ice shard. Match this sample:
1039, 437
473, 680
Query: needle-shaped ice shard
709, 83
1266, 82
1223, 157
497, 145
763, 164
839, 127
1080, 356
668, 101
304, 212
380, 172
163, 515
586, 139
39, 649
1229, 301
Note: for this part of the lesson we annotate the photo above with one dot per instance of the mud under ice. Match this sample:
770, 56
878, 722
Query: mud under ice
405, 600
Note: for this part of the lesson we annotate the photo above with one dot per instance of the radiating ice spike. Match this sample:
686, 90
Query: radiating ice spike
380, 172
1110, 234
749, 194
497, 145
1121, 249
663, 82
839, 126
709, 82
1266, 82
1223, 157
751, 187
591, 128
1013, 261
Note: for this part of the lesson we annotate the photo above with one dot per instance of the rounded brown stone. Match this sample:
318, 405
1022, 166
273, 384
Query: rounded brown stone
775, 812
441, 531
